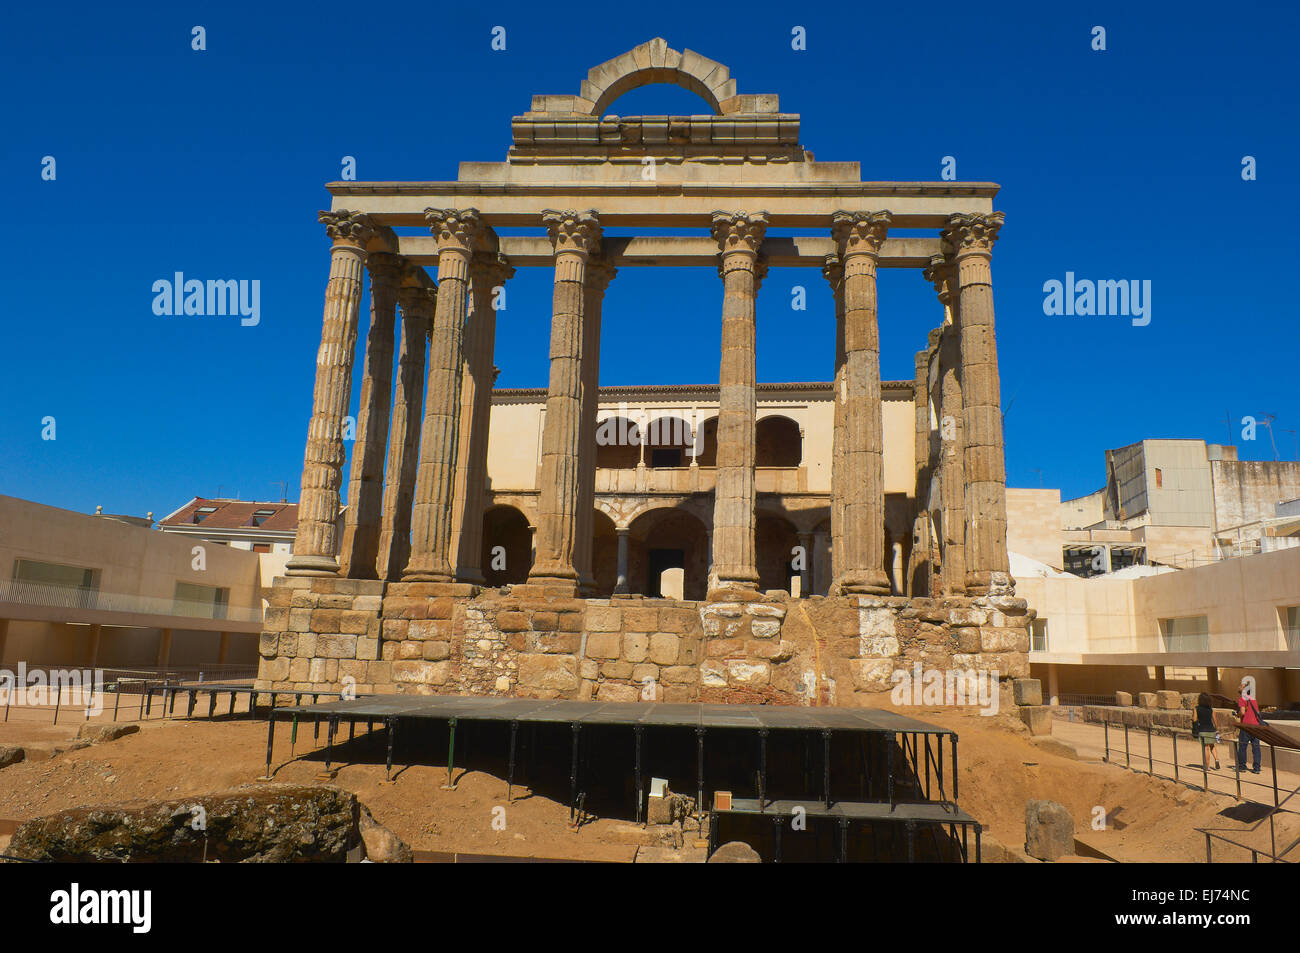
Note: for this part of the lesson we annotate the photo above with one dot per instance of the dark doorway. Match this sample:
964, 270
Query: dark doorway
657, 560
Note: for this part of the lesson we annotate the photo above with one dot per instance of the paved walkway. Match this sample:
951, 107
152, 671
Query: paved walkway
1089, 741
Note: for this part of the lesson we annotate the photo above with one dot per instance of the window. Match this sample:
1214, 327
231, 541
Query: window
1189, 634
261, 516
1291, 626
203, 512
203, 602
53, 574
1038, 635
1159, 478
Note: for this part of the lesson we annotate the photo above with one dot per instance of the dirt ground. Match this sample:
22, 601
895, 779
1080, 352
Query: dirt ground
1150, 819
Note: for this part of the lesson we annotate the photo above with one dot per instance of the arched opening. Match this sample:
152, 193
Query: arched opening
618, 444
604, 554
778, 443
775, 539
507, 546
708, 443
663, 539
822, 557
668, 441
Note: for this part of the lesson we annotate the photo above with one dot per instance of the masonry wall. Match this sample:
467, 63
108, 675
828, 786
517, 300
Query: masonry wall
325, 634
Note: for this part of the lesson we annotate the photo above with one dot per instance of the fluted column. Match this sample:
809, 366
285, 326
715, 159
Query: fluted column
859, 236
739, 236
360, 550
316, 543
918, 566
951, 463
968, 241
574, 236
456, 230
404, 441
599, 274
833, 271
488, 271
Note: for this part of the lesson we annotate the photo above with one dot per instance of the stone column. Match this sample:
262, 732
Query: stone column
488, 271
918, 569
735, 564
456, 231
859, 236
968, 242
951, 462
361, 523
806, 574
404, 444
833, 271
574, 236
622, 532
316, 543
598, 276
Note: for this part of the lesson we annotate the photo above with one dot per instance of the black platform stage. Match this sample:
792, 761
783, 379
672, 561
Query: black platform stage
894, 761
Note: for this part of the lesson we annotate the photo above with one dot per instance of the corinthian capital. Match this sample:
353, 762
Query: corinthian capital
971, 234
739, 231
599, 274
386, 268
349, 228
491, 267
939, 274
859, 233
454, 227
573, 231
417, 301
833, 270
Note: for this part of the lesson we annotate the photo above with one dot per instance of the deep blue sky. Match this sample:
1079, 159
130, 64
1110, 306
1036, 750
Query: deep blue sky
1117, 164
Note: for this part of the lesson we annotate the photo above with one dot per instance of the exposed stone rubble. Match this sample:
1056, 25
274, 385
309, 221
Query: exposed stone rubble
272, 823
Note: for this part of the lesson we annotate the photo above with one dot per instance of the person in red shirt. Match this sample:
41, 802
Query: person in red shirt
1248, 709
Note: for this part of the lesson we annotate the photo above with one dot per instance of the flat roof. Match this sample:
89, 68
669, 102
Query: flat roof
647, 714
930, 813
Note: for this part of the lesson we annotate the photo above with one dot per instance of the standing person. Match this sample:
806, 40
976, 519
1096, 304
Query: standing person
1248, 708
1203, 728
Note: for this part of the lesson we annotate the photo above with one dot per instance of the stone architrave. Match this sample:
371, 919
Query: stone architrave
833, 271
735, 564
952, 468
316, 542
599, 274
488, 272
968, 241
574, 236
859, 236
456, 231
361, 524
404, 441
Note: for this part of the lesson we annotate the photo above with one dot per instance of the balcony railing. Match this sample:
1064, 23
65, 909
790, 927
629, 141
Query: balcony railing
70, 597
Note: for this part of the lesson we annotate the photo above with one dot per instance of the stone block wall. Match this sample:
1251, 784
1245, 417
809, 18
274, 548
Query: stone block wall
324, 634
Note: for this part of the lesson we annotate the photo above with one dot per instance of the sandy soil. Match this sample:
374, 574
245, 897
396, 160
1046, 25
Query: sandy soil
1151, 819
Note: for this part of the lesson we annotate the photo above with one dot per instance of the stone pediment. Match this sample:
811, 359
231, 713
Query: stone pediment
579, 128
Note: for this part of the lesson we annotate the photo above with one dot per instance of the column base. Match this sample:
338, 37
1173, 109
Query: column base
311, 566
554, 585
865, 582
990, 584
422, 571
471, 575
